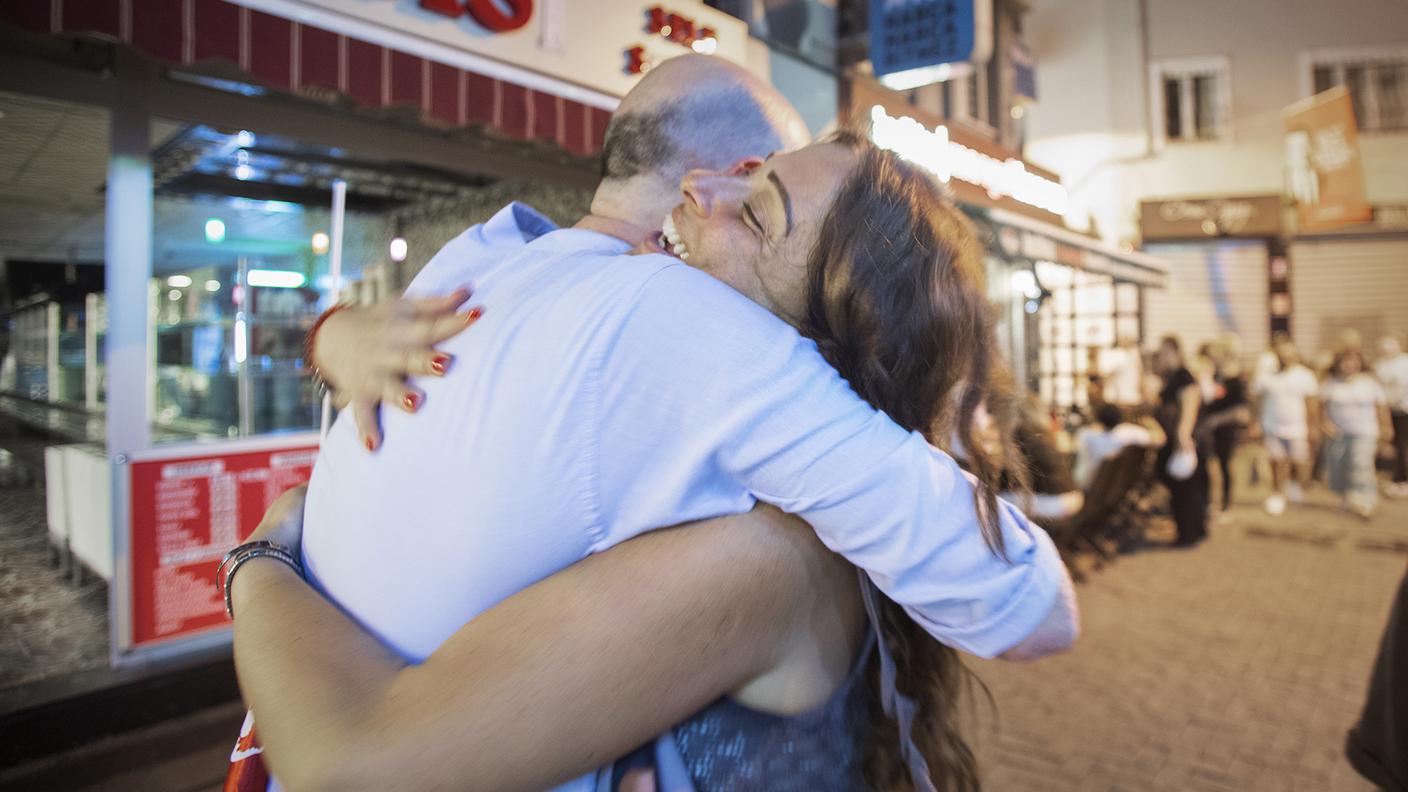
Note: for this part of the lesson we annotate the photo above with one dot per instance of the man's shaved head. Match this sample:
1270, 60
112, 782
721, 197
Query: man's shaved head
696, 111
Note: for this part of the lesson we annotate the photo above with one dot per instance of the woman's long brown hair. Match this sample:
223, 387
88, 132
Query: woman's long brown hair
896, 303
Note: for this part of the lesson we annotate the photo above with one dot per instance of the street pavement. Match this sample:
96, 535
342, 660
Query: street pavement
1237, 665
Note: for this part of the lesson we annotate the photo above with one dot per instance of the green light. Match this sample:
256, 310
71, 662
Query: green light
214, 230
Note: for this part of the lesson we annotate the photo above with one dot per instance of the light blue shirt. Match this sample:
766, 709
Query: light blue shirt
604, 395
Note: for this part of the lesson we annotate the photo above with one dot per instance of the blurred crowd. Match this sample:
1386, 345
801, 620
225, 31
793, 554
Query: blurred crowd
1155, 426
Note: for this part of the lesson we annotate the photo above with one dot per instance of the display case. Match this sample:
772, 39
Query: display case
228, 347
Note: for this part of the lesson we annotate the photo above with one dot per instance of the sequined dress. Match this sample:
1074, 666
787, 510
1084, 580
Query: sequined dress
728, 747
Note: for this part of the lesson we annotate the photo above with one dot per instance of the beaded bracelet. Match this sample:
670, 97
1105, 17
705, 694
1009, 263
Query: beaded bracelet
309, 340
249, 551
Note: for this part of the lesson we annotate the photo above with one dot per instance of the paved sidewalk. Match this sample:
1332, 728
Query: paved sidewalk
1237, 665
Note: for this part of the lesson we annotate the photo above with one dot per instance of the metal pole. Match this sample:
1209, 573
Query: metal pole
339, 211
128, 251
91, 360
244, 387
128, 346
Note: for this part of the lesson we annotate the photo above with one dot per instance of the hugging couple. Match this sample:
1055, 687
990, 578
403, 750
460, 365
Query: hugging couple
483, 589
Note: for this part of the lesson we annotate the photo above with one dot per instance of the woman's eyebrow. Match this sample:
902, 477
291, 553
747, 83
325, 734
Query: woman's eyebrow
786, 199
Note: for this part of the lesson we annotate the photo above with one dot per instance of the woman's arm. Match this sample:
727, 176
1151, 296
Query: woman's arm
550, 684
1189, 399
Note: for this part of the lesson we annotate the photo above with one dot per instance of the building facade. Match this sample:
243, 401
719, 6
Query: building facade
1168, 122
1067, 300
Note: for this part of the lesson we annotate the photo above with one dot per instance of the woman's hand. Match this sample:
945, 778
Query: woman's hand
283, 522
367, 352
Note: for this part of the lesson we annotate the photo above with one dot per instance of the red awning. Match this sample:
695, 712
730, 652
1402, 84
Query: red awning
291, 56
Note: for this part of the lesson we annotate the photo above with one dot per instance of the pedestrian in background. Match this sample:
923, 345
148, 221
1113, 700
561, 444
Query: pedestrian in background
1226, 415
1356, 416
1180, 401
1289, 420
1392, 369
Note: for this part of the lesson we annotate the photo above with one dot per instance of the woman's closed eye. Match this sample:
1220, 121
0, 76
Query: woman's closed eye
756, 223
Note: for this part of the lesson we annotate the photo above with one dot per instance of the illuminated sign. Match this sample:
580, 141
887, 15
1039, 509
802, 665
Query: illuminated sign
675, 28
489, 14
917, 42
946, 159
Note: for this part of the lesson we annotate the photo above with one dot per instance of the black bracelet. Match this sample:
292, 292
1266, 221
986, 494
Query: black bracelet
237, 558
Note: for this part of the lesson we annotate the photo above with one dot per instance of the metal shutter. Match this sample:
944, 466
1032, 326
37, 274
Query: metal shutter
1213, 289
1348, 283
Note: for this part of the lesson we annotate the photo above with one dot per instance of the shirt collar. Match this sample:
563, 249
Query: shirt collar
517, 223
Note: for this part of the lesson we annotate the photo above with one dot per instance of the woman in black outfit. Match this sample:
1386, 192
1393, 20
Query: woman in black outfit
1224, 419
1179, 405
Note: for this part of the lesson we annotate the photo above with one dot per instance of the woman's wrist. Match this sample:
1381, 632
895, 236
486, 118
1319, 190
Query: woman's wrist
311, 355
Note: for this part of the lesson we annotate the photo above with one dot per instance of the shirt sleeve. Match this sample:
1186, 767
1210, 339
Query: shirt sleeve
711, 397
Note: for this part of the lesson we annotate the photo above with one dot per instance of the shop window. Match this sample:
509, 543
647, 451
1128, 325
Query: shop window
968, 97
1377, 81
1193, 99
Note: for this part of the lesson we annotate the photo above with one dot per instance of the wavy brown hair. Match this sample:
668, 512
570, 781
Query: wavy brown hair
896, 303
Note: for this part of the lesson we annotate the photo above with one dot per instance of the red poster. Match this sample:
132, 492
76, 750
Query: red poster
187, 512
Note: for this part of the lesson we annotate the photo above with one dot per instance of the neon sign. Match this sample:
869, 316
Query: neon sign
488, 13
933, 151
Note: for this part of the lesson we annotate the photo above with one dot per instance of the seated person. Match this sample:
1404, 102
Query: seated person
1054, 494
1107, 438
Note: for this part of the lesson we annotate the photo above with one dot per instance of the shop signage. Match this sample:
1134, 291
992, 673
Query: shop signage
1023, 71
180, 510
934, 150
577, 49
497, 17
1322, 158
675, 28
1253, 216
917, 42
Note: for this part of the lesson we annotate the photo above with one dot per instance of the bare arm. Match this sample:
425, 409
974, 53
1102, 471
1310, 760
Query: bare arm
1188, 402
551, 683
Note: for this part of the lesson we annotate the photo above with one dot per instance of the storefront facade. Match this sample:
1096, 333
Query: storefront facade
1066, 300
227, 169
1240, 272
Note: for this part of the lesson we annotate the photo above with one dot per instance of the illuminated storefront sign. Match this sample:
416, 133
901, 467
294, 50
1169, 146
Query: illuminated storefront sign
491, 15
675, 28
917, 42
932, 150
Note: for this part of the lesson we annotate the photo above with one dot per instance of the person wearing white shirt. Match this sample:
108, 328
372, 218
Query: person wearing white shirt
1356, 416
604, 395
1287, 411
1392, 370
1095, 445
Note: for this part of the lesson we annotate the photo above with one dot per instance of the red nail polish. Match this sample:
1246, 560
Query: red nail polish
440, 364
474, 314
369, 443
411, 401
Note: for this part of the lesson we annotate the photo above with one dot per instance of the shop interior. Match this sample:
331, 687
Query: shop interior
242, 259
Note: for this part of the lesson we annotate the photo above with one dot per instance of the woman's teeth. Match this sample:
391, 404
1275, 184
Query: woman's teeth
671, 236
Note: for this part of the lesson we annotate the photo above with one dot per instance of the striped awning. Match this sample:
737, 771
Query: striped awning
285, 55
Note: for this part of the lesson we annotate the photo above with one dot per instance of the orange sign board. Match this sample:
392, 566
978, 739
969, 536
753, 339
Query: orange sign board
1325, 171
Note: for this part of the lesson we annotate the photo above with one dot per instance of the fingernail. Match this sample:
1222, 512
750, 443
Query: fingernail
474, 314
440, 364
369, 443
411, 401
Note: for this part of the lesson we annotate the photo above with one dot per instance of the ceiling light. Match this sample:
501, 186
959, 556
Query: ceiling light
275, 279
398, 249
178, 281
214, 230
321, 243
212, 285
